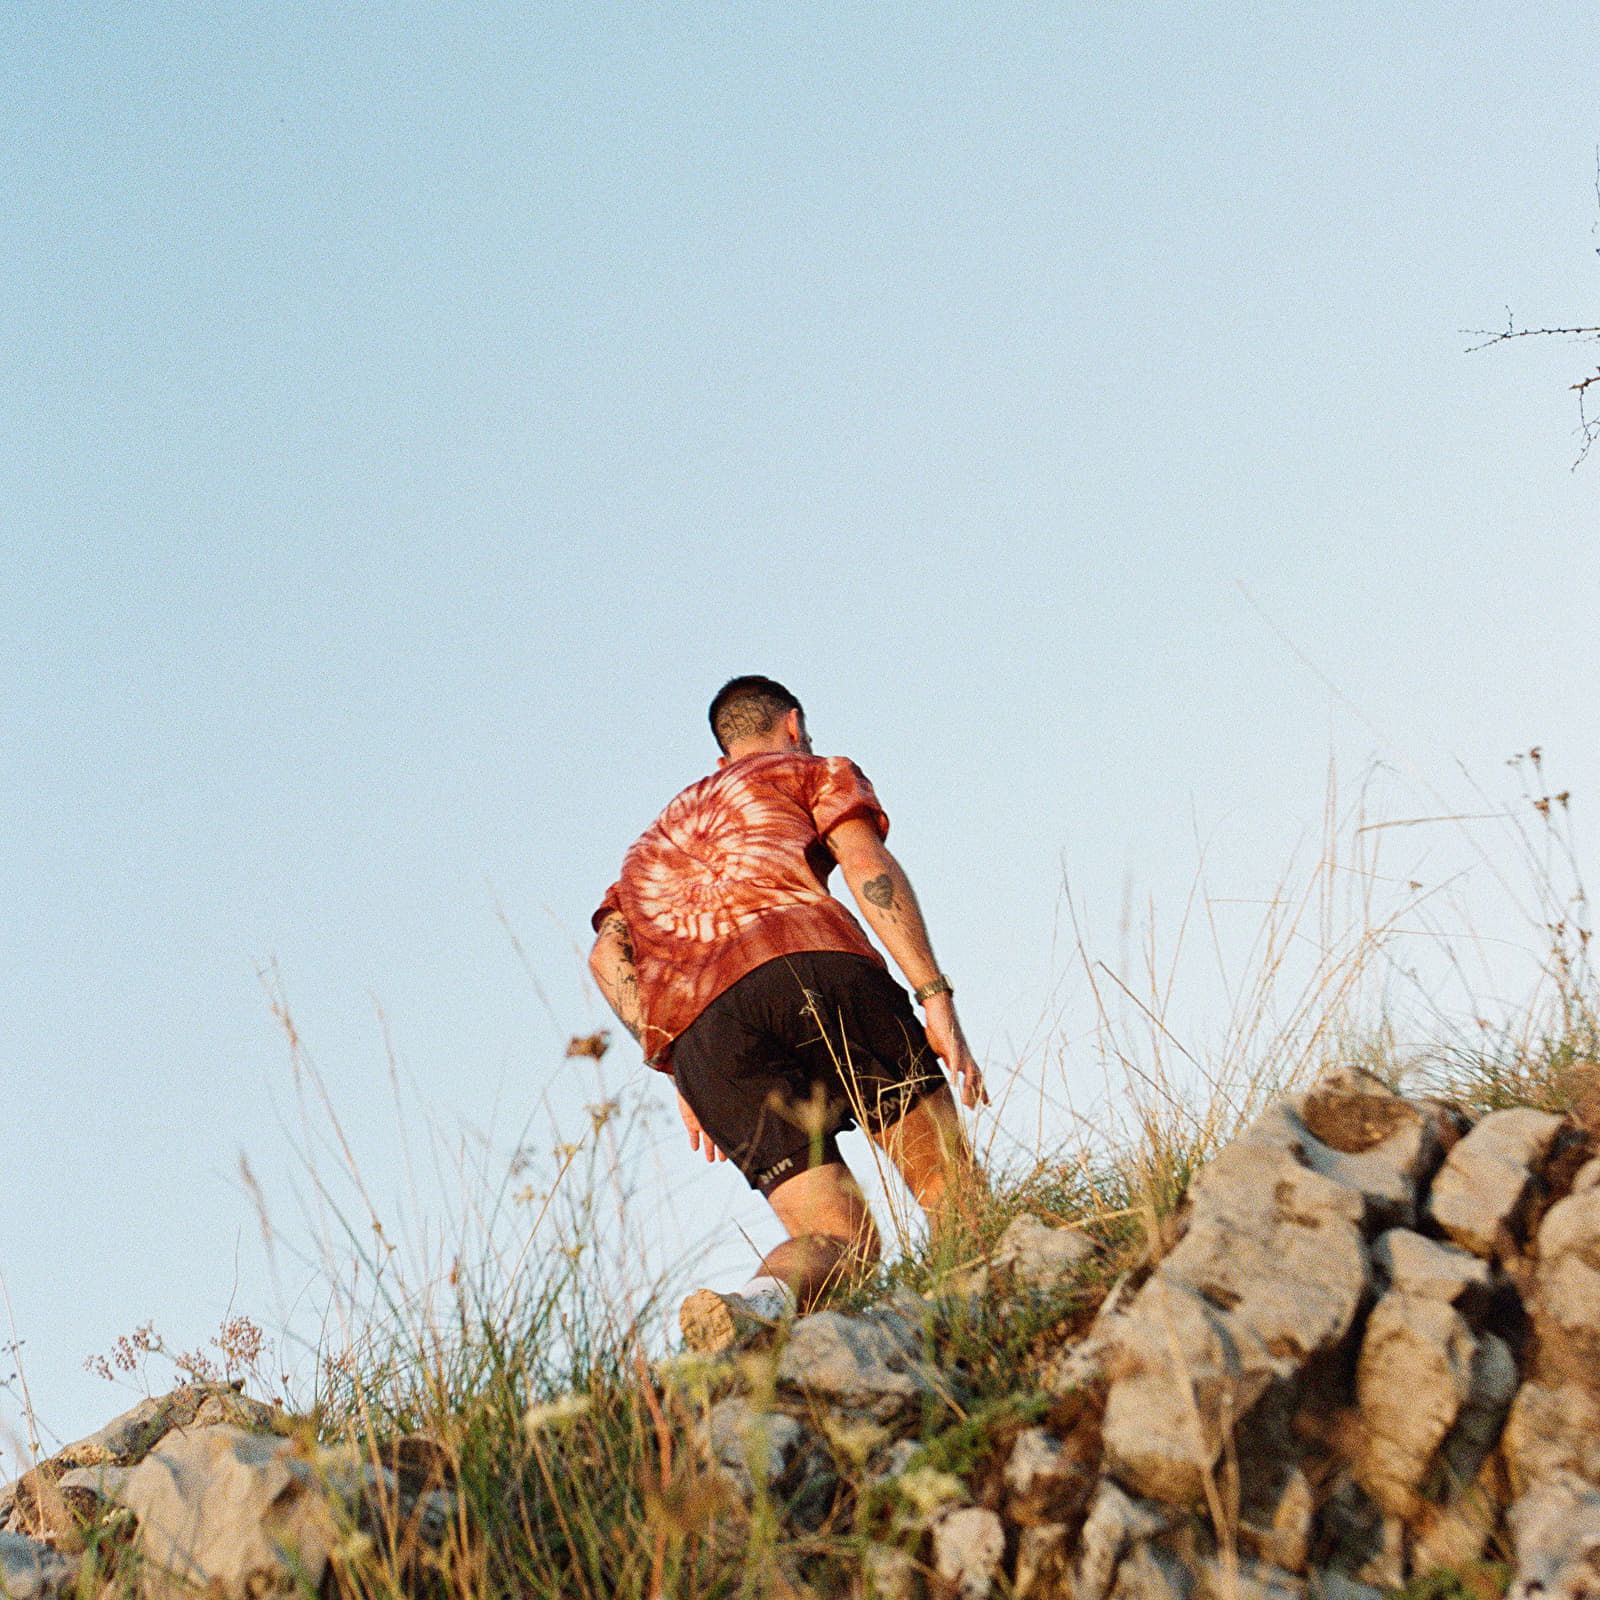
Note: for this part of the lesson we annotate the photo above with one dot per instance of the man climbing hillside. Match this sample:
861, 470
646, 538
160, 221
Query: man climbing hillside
721, 951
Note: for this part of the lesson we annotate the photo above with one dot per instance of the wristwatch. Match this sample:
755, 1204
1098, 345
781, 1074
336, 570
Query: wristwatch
939, 985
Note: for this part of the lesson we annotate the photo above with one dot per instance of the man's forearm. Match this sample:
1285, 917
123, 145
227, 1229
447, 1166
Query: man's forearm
611, 962
889, 903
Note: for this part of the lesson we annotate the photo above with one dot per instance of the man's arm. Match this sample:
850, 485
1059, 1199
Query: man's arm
611, 962
888, 902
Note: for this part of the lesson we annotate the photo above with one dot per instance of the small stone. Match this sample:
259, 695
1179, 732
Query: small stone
1042, 1551
1421, 1266
891, 1573
968, 1544
1149, 1574
1246, 1580
860, 1363
1412, 1378
1555, 1530
1116, 1522
755, 1448
1552, 1432
1046, 1480
1481, 1194
33, 1571
1042, 1257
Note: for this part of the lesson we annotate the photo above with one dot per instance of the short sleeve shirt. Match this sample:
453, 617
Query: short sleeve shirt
733, 874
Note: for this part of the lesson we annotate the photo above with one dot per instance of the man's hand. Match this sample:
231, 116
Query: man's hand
950, 1045
697, 1134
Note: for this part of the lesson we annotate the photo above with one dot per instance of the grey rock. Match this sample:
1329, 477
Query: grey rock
1555, 1530
1042, 1552
1552, 1432
1147, 1573
1481, 1193
1353, 1128
1566, 1299
1457, 1533
756, 1449
1412, 1379
247, 1515
869, 1364
1492, 1387
1325, 1584
1363, 1543
1044, 1479
33, 1571
104, 1480
228, 1510
1417, 1265
1277, 1523
1588, 1177
891, 1573
1271, 1273
968, 1547
1040, 1256
1180, 1385
1246, 1580
1115, 1523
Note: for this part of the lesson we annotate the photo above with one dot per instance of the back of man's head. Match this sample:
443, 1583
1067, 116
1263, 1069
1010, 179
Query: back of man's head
745, 708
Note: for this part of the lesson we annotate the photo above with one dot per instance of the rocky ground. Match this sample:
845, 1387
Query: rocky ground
1366, 1350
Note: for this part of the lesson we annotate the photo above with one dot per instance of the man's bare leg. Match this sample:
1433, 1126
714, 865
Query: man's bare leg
832, 1239
929, 1148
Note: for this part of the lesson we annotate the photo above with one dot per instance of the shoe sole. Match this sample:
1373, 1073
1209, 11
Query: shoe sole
710, 1324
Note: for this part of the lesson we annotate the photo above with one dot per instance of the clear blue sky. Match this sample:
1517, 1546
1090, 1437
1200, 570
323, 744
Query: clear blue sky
414, 412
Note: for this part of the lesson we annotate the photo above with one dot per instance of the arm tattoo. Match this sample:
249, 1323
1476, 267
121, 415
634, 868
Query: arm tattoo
880, 891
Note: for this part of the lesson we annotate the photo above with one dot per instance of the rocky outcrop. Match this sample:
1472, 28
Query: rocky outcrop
1369, 1348
204, 1490
1366, 1348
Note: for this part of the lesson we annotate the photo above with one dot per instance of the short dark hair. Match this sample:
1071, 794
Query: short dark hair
744, 707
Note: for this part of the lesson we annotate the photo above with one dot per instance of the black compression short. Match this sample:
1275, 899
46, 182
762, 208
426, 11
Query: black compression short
797, 1051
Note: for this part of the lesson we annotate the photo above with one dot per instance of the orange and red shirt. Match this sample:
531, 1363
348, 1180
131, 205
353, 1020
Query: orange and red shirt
732, 874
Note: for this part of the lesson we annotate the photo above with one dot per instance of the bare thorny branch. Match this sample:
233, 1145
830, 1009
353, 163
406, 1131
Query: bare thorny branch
1588, 424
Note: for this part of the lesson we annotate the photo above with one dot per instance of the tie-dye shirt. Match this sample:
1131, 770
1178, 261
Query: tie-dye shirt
732, 874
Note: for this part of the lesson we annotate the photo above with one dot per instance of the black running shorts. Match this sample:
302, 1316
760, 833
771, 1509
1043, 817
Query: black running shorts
797, 1051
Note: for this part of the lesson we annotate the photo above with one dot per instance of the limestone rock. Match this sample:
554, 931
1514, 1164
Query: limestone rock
862, 1363
1553, 1432
1271, 1274
1414, 1264
1046, 1480
1042, 1553
1556, 1531
33, 1571
1115, 1524
1412, 1379
1481, 1194
1566, 1301
1356, 1130
1276, 1523
891, 1573
1042, 1257
227, 1509
1456, 1534
1246, 1580
755, 1449
1147, 1573
1179, 1385
968, 1546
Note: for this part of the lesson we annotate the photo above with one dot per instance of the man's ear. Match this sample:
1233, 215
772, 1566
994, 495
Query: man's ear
791, 723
